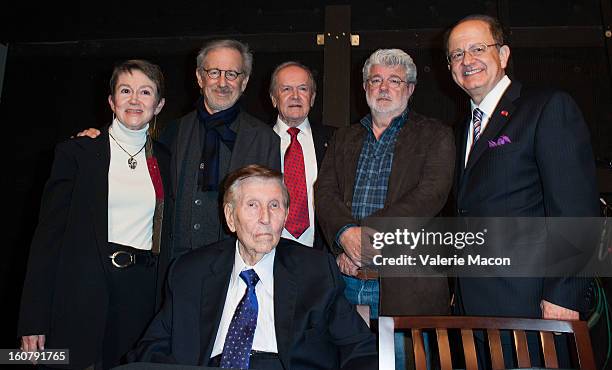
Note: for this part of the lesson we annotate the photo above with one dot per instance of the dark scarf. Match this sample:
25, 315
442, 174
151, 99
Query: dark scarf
217, 128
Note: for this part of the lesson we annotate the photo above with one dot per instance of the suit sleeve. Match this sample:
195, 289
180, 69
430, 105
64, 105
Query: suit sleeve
38, 289
156, 343
332, 213
356, 343
429, 196
567, 172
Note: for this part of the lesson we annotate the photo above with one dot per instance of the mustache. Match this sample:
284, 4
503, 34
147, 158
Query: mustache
384, 95
223, 89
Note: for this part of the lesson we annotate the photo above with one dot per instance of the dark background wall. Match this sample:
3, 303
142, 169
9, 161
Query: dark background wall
60, 55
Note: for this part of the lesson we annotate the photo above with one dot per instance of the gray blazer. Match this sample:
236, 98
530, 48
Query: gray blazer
256, 143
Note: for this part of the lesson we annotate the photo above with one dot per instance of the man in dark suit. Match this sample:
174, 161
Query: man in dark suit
394, 163
248, 303
523, 153
216, 138
293, 91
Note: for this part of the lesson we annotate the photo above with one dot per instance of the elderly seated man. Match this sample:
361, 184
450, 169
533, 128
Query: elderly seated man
251, 302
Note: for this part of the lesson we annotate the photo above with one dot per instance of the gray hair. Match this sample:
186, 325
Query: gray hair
234, 180
243, 49
291, 63
391, 58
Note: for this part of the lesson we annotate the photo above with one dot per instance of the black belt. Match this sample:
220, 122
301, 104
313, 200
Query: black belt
216, 361
125, 256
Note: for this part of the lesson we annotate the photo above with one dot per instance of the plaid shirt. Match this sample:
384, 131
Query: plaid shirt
374, 167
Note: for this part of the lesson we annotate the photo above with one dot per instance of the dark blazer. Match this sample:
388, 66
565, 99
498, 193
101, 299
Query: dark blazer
256, 143
65, 294
316, 327
419, 184
547, 170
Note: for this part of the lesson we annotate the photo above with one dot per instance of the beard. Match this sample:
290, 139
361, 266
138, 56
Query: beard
390, 107
216, 103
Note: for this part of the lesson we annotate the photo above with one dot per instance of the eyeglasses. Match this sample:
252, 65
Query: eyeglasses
475, 50
215, 73
394, 82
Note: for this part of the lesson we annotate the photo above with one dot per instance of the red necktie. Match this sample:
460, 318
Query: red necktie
295, 179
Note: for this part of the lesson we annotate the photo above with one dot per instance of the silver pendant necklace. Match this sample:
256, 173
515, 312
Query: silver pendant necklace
132, 162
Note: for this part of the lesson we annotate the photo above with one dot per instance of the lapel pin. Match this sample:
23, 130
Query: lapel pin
504, 113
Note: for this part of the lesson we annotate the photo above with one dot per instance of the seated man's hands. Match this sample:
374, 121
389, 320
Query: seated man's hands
555, 312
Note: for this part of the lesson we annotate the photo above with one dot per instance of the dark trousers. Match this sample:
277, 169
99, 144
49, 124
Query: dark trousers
131, 304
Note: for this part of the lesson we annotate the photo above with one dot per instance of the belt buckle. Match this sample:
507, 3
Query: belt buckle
122, 266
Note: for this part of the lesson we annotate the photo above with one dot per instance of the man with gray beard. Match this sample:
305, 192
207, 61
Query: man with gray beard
216, 138
393, 163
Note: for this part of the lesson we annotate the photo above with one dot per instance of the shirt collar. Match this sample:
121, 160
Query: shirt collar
396, 122
264, 269
281, 127
488, 104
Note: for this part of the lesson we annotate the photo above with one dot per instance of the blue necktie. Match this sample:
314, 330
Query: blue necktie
477, 119
239, 338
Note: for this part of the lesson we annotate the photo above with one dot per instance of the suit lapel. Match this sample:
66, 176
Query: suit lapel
320, 143
214, 290
285, 294
356, 136
246, 134
402, 153
462, 135
100, 162
496, 123
183, 140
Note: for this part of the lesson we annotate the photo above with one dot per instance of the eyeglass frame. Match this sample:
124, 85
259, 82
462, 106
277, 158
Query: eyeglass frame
391, 83
462, 51
208, 71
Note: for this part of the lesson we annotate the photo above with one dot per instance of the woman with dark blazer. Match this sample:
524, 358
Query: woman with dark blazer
97, 259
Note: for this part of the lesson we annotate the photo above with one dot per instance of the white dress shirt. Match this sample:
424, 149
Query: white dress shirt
265, 334
310, 165
131, 196
487, 106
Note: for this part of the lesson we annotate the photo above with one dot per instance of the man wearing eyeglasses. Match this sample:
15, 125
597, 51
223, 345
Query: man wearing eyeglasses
215, 139
393, 163
522, 153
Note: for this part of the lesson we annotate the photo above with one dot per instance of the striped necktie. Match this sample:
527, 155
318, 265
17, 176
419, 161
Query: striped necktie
477, 119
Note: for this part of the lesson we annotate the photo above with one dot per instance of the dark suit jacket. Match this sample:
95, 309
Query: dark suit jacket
419, 184
65, 294
546, 171
316, 327
256, 143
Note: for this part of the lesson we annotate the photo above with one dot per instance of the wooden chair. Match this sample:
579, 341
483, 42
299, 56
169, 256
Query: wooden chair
492, 326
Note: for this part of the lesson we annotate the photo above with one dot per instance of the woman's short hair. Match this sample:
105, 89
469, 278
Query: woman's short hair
152, 71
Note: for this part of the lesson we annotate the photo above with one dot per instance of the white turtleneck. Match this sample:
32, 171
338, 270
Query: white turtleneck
131, 196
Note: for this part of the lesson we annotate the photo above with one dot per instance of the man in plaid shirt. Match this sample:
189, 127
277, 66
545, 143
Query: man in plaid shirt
393, 163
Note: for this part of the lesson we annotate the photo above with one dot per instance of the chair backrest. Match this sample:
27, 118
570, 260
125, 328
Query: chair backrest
492, 326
